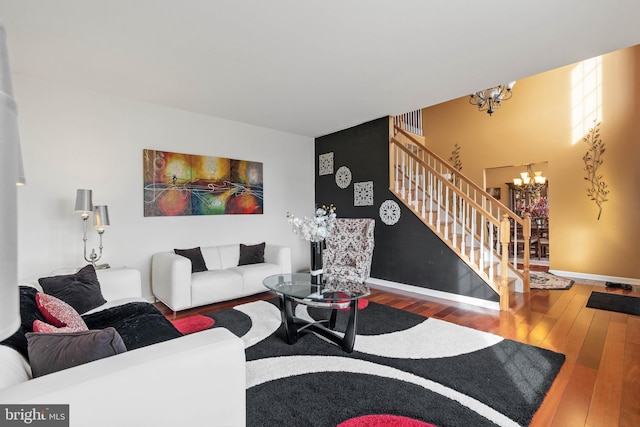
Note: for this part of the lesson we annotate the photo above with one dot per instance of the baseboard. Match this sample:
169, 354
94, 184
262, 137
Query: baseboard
596, 277
434, 293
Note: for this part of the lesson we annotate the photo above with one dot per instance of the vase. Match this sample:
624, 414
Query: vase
316, 263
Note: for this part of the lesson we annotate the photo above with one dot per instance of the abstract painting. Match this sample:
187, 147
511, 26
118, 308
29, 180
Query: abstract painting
178, 184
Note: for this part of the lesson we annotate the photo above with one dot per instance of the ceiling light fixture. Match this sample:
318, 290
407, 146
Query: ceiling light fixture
530, 181
490, 99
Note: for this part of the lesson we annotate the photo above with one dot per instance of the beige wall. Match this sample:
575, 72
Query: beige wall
536, 126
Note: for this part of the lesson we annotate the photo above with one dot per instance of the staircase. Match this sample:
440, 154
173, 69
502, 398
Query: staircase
475, 226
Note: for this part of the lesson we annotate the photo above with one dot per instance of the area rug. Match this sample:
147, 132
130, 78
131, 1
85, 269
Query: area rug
614, 302
544, 280
404, 366
191, 324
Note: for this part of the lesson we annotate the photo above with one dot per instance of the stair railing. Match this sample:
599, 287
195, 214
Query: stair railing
411, 122
462, 213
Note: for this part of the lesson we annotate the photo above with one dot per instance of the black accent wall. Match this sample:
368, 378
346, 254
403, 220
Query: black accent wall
407, 252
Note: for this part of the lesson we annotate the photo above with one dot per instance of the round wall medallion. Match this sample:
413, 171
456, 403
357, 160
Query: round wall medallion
389, 212
343, 177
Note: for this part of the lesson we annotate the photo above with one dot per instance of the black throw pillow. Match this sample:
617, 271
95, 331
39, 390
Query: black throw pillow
80, 290
195, 255
52, 352
28, 313
251, 254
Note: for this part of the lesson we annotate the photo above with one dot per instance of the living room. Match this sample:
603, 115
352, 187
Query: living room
88, 134
74, 136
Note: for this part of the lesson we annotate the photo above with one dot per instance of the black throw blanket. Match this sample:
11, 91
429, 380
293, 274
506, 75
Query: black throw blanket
139, 324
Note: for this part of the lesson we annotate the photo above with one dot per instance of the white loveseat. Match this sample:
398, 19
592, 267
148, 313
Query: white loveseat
164, 384
176, 286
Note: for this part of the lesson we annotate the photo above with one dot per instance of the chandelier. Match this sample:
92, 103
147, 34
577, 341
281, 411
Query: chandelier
530, 182
490, 99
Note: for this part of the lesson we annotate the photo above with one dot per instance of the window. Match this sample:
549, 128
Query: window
586, 97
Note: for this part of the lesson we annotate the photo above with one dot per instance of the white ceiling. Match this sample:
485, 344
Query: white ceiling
306, 67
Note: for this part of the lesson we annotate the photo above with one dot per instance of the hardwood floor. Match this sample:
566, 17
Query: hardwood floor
599, 384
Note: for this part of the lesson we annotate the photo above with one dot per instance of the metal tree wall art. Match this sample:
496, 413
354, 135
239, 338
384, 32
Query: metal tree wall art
456, 162
455, 158
597, 190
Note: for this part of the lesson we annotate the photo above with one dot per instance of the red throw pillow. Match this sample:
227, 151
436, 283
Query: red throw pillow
59, 314
40, 326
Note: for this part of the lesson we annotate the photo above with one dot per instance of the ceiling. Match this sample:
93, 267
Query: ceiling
305, 67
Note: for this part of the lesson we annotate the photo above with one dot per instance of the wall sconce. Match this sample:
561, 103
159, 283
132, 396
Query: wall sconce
84, 204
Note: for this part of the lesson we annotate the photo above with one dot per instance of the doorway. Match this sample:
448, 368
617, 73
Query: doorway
521, 199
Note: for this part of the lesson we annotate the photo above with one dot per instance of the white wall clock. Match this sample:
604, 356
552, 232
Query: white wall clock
389, 212
343, 177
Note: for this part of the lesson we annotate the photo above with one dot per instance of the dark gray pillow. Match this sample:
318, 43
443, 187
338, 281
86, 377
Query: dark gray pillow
80, 290
251, 254
52, 352
195, 255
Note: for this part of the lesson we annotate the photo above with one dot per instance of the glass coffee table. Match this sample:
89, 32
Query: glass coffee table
331, 293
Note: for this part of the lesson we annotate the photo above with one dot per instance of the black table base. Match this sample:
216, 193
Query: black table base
295, 327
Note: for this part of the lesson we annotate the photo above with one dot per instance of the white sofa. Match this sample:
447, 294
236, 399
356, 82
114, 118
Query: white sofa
176, 286
165, 384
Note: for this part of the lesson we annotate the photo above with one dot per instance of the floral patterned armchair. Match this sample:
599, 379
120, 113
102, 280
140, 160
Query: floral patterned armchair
349, 249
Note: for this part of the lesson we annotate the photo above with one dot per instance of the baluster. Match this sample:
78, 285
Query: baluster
417, 185
410, 180
515, 245
396, 166
431, 196
424, 191
481, 246
497, 239
454, 215
491, 262
465, 212
446, 213
439, 205
404, 155
472, 236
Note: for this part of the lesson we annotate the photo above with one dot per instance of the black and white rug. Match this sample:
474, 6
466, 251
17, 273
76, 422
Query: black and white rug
403, 365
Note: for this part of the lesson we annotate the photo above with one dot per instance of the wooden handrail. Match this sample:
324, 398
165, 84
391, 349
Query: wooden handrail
512, 215
455, 189
426, 182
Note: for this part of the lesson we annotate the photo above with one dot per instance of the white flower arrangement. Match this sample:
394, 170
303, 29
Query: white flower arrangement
316, 228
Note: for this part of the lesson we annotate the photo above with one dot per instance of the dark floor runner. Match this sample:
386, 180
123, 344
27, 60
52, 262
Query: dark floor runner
615, 302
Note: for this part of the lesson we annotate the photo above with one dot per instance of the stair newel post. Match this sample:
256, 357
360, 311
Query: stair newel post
505, 237
526, 232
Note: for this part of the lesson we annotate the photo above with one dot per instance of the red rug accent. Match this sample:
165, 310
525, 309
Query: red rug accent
192, 324
383, 421
362, 304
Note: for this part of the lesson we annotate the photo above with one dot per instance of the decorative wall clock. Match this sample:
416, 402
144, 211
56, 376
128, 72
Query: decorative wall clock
389, 212
343, 177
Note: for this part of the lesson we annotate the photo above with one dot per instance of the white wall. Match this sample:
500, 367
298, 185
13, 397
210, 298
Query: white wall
79, 139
